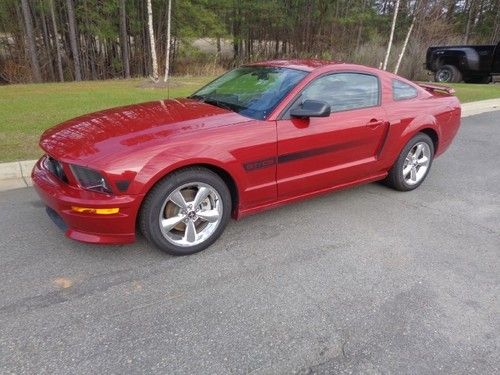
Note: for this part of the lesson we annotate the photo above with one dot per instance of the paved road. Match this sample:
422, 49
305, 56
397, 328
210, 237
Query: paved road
366, 281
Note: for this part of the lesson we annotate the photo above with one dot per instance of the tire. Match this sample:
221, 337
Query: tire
448, 74
186, 211
408, 165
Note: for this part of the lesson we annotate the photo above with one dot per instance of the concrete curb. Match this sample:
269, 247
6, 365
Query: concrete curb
475, 108
17, 174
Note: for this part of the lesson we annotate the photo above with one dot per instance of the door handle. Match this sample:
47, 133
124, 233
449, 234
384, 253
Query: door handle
374, 123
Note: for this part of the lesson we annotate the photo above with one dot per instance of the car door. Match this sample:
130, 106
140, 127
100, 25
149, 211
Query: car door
322, 152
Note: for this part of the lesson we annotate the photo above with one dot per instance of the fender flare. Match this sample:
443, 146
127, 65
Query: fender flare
173, 159
418, 125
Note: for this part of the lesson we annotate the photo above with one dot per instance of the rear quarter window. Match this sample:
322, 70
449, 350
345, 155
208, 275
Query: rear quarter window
402, 90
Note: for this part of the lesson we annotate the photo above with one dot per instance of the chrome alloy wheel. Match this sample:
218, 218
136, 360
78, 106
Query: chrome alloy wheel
191, 214
416, 163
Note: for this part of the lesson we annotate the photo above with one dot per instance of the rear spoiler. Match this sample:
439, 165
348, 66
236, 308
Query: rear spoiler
437, 88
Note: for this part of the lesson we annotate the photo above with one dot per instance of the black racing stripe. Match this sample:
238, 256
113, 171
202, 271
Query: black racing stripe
293, 156
285, 158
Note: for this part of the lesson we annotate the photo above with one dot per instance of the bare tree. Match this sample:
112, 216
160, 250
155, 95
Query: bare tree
56, 42
73, 39
30, 38
469, 20
124, 39
167, 57
152, 43
403, 50
391, 37
407, 38
496, 25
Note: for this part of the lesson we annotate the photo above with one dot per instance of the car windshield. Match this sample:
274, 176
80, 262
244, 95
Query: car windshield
252, 91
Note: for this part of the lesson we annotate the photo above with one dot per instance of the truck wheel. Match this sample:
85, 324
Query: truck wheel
448, 74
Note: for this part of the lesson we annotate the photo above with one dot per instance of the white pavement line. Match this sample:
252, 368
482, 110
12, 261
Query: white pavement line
17, 174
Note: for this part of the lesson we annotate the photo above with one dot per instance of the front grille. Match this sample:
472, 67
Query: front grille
56, 168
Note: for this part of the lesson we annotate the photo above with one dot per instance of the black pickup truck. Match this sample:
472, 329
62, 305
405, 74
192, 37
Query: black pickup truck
473, 64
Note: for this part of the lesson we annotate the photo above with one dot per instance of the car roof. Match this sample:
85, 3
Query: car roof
307, 65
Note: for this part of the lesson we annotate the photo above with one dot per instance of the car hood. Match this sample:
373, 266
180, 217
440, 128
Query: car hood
117, 131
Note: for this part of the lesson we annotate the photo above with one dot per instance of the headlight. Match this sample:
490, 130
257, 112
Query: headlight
89, 179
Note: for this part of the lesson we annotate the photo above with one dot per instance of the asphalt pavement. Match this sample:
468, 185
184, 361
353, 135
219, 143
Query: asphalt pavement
367, 280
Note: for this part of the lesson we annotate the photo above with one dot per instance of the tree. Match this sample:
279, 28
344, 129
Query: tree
167, 57
152, 43
393, 27
124, 39
470, 16
30, 38
407, 38
103, 39
73, 39
56, 42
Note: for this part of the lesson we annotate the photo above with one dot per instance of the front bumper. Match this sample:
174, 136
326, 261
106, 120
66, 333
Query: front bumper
87, 227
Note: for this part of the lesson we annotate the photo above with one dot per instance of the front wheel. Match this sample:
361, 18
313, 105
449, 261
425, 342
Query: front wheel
186, 211
413, 164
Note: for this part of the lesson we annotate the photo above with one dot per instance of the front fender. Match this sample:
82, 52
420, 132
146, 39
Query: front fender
178, 157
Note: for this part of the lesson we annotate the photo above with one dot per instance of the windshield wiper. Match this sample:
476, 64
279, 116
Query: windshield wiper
200, 97
218, 103
213, 101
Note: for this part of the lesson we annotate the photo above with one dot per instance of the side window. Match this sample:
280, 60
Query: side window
344, 91
402, 91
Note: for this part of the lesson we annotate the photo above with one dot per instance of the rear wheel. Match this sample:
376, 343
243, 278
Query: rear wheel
186, 211
413, 164
448, 74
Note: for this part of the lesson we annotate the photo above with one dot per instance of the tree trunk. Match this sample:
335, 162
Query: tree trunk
391, 37
167, 57
30, 38
496, 25
469, 20
152, 43
73, 40
396, 69
124, 39
236, 31
219, 49
48, 46
358, 39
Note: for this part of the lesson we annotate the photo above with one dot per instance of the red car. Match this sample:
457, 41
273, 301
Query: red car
259, 136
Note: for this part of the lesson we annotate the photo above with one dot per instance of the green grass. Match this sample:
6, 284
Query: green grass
27, 110
468, 92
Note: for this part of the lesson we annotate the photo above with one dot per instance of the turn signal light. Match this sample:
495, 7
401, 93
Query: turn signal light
97, 211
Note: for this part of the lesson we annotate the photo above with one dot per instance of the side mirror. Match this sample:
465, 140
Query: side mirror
311, 108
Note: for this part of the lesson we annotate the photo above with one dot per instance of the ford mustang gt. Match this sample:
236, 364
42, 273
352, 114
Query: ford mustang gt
257, 137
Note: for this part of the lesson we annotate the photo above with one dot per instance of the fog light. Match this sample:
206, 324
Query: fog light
97, 211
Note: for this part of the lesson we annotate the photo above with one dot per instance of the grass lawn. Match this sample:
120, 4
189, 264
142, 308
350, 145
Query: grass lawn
27, 110
468, 92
